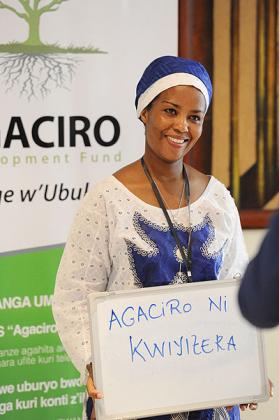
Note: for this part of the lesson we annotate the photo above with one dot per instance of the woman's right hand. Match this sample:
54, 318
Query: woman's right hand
91, 389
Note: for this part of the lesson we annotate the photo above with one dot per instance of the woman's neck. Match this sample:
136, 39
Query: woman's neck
164, 171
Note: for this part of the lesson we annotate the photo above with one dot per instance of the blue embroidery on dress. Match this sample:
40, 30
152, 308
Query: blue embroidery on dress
159, 262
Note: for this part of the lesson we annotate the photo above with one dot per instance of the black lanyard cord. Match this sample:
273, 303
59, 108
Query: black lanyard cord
186, 259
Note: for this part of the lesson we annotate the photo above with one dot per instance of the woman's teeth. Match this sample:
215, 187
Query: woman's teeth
177, 141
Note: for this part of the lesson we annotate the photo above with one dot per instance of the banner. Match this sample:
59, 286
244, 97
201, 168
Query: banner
68, 72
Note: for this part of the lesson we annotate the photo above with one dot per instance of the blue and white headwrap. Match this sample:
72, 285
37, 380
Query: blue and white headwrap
169, 71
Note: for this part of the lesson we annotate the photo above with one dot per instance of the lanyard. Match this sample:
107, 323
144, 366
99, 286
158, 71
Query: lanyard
186, 258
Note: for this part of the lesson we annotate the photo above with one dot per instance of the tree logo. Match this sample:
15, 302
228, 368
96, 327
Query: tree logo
33, 67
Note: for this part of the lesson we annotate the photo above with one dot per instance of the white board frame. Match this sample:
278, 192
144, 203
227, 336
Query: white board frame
117, 387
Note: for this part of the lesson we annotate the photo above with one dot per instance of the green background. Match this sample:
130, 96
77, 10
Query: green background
31, 274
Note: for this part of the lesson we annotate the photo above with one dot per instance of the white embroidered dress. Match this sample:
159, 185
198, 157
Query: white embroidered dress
118, 241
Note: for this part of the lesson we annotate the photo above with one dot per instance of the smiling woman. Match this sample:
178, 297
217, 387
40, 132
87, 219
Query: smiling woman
173, 123
156, 221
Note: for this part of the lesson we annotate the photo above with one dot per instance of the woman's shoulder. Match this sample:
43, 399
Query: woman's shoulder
130, 175
210, 188
199, 183
100, 186
221, 197
197, 179
99, 193
109, 187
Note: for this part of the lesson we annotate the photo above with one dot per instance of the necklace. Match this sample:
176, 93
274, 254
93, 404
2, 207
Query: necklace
166, 204
185, 257
179, 276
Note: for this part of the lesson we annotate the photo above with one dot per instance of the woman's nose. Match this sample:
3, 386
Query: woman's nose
181, 124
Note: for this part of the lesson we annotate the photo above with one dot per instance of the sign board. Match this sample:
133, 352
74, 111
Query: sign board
173, 349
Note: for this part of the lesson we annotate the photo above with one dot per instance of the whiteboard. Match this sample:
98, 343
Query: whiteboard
174, 349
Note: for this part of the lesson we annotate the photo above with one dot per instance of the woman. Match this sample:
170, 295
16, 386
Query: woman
155, 221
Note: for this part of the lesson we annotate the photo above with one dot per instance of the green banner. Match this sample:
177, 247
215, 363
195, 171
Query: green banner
37, 378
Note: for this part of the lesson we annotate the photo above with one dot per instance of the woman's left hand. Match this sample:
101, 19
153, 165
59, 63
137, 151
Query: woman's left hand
251, 406
243, 407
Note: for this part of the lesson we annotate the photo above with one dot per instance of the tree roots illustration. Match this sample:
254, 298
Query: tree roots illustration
35, 76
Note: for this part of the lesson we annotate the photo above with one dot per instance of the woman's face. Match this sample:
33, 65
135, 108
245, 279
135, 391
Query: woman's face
173, 123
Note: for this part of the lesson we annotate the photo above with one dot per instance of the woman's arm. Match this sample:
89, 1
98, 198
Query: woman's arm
235, 257
84, 268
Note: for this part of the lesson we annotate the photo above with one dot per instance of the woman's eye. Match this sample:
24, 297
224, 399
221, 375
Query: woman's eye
170, 111
195, 118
